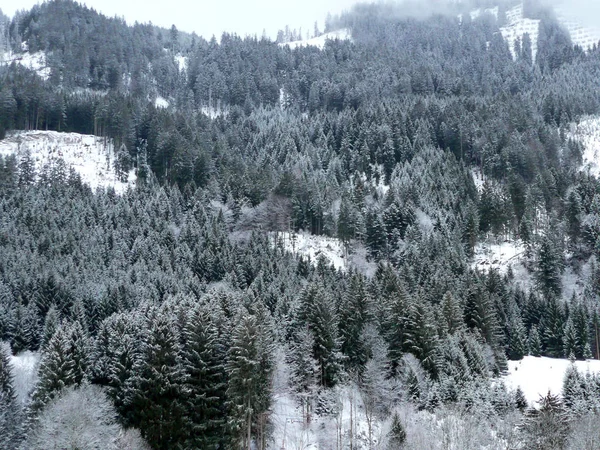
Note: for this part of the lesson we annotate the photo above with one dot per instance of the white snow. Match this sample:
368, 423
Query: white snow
214, 111
588, 133
517, 27
538, 375
182, 61
478, 178
24, 368
498, 256
308, 245
91, 156
34, 61
319, 41
161, 102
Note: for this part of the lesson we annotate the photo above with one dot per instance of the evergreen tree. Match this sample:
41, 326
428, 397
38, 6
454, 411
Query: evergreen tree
354, 314
552, 329
10, 410
205, 382
517, 340
397, 433
304, 378
57, 368
549, 267
249, 368
534, 342
546, 427
318, 312
157, 398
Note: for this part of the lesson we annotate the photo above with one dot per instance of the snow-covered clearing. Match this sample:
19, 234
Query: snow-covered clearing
346, 419
34, 61
538, 375
214, 111
90, 156
518, 26
161, 102
319, 41
498, 256
24, 368
478, 178
588, 133
182, 61
308, 245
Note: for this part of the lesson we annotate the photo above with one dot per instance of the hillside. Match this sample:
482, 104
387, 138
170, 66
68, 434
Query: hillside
384, 236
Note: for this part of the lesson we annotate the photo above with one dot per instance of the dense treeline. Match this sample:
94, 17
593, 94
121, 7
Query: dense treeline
177, 301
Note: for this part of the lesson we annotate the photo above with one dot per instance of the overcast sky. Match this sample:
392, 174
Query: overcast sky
208, 17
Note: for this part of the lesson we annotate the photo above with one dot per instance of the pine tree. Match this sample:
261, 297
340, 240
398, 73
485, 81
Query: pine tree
553, 328
517, 347
158, 384
570, 340
56, 368
304, 376
205, 382
10, 410
51, 323
354, 314
546, 427
534, 342
451, 314
421, 336
573, 388
520, 400
549, 267
397, 433
249, 368
317, 310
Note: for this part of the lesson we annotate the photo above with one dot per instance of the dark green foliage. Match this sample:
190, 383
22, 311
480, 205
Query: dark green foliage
249, 369
158, 394
205, 382
397, 433
547, 426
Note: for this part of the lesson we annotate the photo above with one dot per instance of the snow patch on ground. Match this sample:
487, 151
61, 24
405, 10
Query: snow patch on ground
33, 61
308, 245
498, 256
478, 178
24, 370
91, 156
517, 27
587, 131
538, 375
161, 102
214, 112
343, 34
182, 61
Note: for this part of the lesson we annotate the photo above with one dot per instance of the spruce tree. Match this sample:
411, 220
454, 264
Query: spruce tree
354, 314
56, 368
534, 342
10, 410
205, 382
158, 385
304, 378
249, 368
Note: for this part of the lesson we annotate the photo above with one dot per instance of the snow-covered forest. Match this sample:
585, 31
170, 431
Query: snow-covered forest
383, 236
